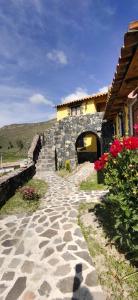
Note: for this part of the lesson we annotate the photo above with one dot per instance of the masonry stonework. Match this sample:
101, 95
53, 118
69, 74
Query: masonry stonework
69, 129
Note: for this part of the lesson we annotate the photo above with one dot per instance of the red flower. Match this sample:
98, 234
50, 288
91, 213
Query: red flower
98, 165
116, 148
136, 128
130, 143
104, 158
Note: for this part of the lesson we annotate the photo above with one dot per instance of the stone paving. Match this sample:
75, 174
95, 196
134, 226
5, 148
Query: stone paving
43, 255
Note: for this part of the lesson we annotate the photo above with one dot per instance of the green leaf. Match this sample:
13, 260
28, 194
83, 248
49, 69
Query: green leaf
135, 227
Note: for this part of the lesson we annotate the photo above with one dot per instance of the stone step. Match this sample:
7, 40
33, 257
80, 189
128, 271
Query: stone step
47, 150
50, 153
46, 157
46, 162
45, 169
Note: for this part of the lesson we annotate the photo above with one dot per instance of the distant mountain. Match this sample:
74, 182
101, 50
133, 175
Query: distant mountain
15, 139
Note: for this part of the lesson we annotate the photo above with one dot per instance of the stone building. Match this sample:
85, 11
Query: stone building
85, 127
77, 134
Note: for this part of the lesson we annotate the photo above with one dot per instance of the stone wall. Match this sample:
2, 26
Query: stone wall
69, 129
35, 148
9, 183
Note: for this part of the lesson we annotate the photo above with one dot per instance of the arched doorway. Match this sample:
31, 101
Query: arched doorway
88, 147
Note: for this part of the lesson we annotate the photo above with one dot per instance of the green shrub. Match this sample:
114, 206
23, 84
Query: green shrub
121, 177
67, 165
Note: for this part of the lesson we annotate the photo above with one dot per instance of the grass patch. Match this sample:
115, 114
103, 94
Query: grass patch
118, 278
92, 184
17, 205
24, 132
12, 157
63, 173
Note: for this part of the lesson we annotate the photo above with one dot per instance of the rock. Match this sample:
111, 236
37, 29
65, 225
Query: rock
73, 214
72, 247
49, 233
45, 289
42, 219
17, 289
67, 236
77, 232
82, 244
27, 267
14, 263
20, 249
8, 276
47, 252
84, 255
42, 244
62, 270
68, 284
91, 279
67, 256
9, 243
60, 247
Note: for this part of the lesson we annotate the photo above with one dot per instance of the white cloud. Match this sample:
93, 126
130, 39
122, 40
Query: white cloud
78, 94
81, 93
15, 106
40, 99
104, 89
57, 56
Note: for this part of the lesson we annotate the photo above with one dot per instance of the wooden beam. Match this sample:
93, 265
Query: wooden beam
127, 52
128, 80
131, 38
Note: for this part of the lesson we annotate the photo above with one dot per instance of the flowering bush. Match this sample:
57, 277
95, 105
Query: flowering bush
100, 164
118, 146
29, 193
120, 168
130, 143
136, 128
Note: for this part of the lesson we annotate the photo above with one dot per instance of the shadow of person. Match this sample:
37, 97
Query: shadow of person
80, 292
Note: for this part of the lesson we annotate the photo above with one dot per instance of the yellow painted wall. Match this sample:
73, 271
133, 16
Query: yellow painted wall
117, 126
90, 142
126, 120
62, 112
87, 108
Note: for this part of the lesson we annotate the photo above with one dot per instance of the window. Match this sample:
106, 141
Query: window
75, 111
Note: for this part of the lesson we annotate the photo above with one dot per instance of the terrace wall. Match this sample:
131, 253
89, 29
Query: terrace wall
9, 183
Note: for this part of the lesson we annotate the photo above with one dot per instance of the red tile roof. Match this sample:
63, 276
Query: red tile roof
126, 74
93, 96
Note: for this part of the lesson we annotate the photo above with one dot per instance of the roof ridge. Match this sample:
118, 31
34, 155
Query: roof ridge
84, 98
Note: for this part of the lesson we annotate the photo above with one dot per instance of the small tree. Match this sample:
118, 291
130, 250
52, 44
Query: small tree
10, 145
19, 144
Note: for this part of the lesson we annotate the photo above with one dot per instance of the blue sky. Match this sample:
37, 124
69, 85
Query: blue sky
53, 50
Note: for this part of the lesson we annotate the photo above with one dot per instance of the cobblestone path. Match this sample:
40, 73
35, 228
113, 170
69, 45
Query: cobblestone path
43, 255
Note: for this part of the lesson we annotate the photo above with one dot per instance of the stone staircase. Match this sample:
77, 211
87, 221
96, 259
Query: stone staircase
46, 159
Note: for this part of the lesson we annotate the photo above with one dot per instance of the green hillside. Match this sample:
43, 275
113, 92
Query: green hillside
15, 139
